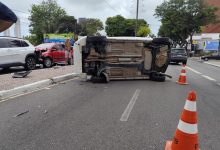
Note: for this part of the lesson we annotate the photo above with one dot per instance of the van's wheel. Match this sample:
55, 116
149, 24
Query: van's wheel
101, 79
30, 63
47, 62
157, 77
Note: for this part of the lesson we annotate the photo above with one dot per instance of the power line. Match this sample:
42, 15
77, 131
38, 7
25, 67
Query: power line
21, 11
111, 6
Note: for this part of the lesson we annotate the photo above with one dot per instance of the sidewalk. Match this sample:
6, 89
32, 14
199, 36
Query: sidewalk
7, 82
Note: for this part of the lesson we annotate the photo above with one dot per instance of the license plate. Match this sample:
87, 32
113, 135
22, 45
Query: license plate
179, 55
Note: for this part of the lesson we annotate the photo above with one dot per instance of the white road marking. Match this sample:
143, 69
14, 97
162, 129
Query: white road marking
209, 78
204, 76
125, 115
193, 70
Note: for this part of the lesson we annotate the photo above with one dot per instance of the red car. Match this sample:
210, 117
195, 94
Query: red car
53, 53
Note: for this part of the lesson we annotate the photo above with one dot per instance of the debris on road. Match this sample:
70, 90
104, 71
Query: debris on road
45, 111
20, 114
21, 74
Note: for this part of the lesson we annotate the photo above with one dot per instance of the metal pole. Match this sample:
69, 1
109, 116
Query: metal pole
219, 45
136, 26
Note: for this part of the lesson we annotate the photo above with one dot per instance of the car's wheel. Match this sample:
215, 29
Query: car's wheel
157, 77
206, 59
47, 62
30, 63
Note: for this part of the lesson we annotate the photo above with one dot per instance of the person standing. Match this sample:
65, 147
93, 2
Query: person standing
67, 50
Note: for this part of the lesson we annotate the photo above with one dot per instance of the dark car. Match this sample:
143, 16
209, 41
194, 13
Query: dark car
178, 55
215, 57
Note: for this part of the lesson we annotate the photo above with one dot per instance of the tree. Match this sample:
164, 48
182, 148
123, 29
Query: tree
182, 18
45, 18
91, 27
143, 31
115, 26
32, 39
67, 24
120, 26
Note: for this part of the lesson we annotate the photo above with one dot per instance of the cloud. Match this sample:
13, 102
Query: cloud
93, 9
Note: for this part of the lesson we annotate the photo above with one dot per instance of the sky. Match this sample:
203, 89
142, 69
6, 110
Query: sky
101, 9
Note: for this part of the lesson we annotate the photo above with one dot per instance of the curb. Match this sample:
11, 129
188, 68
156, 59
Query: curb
212, 64
36, 85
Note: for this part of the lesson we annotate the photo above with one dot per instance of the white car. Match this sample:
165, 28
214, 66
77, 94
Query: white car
17, 52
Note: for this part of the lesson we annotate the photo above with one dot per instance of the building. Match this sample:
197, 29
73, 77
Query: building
81, 20
208, 40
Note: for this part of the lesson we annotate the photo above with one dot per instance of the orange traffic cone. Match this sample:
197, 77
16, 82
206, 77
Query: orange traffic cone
186, 136
182, 78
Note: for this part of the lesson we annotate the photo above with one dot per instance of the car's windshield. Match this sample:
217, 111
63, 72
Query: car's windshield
178, 50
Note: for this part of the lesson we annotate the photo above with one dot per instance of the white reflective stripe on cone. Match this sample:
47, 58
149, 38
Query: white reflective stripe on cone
183, 74
188, 128
190, 106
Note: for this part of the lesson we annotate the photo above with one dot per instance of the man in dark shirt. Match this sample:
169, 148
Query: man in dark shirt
7, 17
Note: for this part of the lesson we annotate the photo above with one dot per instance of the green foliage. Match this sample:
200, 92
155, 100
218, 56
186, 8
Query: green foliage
68, 24
91, 27
115, 26
143, 31
119, 26
32, 39
182, 18
45, 18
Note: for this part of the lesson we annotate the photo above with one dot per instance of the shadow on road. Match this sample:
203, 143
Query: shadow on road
11, 70
175, 64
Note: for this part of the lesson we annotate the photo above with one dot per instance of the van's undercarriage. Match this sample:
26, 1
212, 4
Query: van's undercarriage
120, 58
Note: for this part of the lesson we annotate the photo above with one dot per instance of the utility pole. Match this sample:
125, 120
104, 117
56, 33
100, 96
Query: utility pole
219, 45
136, 26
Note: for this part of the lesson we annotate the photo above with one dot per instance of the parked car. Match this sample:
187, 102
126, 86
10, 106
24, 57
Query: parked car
178, 55
53, 53
16, 52
214, 57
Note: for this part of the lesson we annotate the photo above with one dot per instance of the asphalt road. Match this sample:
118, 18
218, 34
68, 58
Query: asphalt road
80, 115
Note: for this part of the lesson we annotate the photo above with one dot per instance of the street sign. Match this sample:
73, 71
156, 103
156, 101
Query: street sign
211, 45
57, 38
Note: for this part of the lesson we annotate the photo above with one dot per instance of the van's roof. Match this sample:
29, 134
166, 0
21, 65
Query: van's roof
131, 38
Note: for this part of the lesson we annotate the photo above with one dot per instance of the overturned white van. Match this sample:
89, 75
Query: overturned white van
117, 58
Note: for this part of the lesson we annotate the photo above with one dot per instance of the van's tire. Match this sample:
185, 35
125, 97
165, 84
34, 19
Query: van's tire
48, 63
165, 41
30, 63
96, 79
157, 77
